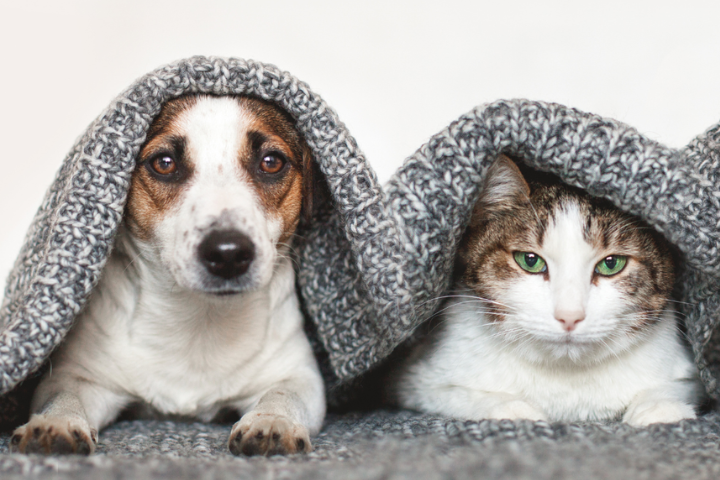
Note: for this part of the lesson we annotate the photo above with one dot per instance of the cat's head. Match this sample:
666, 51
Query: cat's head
565, 276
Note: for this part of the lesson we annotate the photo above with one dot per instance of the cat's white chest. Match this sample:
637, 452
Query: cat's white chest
565, 393
468, 372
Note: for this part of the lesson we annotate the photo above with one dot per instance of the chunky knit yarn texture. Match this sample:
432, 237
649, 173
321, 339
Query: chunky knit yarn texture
395, 446
374, 262
388, 267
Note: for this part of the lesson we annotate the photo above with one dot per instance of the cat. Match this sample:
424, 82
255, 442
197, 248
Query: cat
561, 313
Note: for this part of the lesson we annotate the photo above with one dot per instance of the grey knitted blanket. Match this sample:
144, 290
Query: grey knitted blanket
372, 266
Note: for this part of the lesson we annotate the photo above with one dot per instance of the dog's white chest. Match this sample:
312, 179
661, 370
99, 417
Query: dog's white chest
193, 376
184, 355
193, 362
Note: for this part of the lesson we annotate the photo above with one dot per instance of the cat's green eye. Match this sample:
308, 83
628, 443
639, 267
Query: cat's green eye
530, 262
611, 265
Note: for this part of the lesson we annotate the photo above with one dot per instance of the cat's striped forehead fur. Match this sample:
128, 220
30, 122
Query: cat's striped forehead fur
514, 215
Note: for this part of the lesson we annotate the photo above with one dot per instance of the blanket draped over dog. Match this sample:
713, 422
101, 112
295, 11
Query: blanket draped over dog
375, 260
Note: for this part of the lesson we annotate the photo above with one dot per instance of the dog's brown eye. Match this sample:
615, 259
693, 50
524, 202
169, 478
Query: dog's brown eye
271, 164
164, 165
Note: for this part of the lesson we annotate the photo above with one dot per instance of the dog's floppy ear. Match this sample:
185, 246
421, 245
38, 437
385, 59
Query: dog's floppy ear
309, 176
315, 189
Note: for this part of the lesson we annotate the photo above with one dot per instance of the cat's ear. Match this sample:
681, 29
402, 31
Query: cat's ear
504, 188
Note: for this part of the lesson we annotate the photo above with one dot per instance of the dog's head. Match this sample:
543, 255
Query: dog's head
220, 186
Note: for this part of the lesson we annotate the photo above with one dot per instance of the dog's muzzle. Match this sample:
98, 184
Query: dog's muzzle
226, 254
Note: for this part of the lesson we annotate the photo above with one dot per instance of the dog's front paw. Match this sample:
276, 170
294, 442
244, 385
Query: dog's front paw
660, 411
268, 434
54, 435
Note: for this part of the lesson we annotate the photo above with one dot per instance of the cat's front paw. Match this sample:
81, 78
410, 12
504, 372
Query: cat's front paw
516, 410
268, 434
660, 411
50, 435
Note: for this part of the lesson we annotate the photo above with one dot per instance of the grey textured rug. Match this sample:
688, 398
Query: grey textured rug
385, 445
371, 269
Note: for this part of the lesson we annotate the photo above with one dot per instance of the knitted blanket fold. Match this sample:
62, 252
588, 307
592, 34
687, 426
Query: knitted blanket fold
73, 231
374, 260
367, 300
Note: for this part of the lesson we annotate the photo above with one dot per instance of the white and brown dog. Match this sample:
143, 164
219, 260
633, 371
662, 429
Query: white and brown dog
196, 311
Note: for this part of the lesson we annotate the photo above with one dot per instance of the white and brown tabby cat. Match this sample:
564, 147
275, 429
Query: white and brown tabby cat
562, 314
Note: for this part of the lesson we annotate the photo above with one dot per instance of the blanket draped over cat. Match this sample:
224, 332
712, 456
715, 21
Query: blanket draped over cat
374, 260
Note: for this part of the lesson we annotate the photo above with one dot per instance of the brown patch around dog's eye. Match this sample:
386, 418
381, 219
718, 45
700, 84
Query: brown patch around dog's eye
161, 172
274, 158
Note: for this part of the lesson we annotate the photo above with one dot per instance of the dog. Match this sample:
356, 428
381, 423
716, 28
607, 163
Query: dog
196, 310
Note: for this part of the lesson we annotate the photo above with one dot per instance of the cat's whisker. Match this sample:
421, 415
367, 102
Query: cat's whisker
474, 297
510, 332
445, 309
470, 302
682, 303
444, 319
609, 348
645, 314
685, 335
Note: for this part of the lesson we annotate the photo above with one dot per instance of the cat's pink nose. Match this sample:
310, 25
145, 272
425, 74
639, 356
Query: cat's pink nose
569, 318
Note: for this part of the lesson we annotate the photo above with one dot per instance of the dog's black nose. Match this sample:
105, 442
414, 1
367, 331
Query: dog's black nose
226, 253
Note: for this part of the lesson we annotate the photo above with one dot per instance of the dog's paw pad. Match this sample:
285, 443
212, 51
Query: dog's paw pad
53, 435
16, 439
300, 445
265, 434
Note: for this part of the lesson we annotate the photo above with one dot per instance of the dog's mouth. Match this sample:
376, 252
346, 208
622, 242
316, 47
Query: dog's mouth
225, 293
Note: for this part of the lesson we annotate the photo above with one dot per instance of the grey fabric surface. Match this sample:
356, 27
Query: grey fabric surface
385, 445
372, 266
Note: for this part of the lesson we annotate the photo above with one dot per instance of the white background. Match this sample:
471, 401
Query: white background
396, 72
